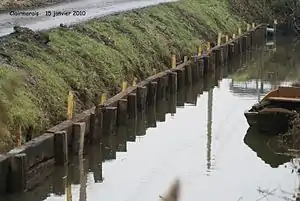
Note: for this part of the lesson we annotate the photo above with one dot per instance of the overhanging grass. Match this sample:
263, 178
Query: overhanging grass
97, 56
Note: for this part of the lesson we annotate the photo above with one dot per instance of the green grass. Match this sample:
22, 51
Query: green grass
97, 56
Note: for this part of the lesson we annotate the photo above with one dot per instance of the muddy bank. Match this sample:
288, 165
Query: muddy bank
96, 56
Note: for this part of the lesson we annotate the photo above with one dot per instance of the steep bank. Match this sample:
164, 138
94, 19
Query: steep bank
95, 57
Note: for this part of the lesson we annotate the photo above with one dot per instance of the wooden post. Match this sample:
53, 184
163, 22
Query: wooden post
217, 57
61, 148
173, 61
134, 81
201, 67
121, 135
219, 39
180, 78
141, 93
172, 82
122, 114
180, 97
18, 136
275, 27
172, 103
208, 47
68, 191
206, 65
239, 31
151, 117
124, 86
199, 50
132, 106
248, 27
244, 44
230, 51
188, 75
70, 105
161, 88
18, 173
131, 130
191, 97
141, 124
91, 135
109, 120
195, 72
222, 55
151, 96
78, 136
165, 80
161, 110
59, 179
103, 99
226, 47
98, 123
185, 59
226, 38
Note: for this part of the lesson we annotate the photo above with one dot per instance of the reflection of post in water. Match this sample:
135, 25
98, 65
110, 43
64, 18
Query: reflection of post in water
209, 127
68, 191
141, 124
172, 102
121, 139
191, 97
59, 180
208, 82
225, 71
73, 176
83, 177
161, 110
109, 146
181, 96
197, 89
151, 117
131, 130
95, 162
217, 77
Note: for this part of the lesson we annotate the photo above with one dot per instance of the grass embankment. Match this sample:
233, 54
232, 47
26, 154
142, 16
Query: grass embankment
95, 57
23, 4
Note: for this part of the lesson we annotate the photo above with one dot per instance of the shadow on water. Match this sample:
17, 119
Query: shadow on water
209, 98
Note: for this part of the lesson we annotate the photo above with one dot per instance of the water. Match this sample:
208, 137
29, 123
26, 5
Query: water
203, 140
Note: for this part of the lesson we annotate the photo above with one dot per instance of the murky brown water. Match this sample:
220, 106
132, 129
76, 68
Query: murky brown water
203, 140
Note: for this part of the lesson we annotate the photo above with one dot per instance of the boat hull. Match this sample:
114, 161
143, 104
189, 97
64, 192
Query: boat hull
270, 121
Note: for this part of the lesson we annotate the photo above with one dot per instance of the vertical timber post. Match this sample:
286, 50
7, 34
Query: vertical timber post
18, 173
61, 148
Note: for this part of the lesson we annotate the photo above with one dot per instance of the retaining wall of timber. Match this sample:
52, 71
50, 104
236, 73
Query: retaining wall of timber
28, 165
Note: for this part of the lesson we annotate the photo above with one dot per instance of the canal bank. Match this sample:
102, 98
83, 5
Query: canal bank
25, 167
198, 138
96, 57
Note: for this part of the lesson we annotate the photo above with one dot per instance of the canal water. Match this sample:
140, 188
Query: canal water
199, 136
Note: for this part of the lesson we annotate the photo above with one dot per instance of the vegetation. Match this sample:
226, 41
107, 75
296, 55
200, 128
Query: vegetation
96, 56
20, 4
282, 65
285, 11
